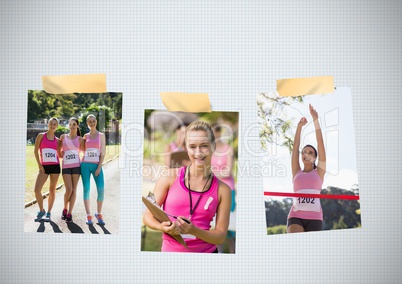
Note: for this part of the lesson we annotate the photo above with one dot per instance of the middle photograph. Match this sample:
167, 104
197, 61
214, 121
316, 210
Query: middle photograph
189, 181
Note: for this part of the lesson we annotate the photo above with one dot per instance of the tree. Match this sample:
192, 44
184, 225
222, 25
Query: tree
276, 127
65, 105
334, 209
276, 211
103, 115
34, 107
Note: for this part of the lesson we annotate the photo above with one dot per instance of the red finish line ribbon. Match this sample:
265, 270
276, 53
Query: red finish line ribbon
328, 196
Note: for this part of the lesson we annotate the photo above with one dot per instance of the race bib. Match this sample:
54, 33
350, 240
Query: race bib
71, 157
307, 203
49, 155
92, 155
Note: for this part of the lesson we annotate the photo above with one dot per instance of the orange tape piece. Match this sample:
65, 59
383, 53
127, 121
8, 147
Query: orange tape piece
305, 86
67, 84
187, 102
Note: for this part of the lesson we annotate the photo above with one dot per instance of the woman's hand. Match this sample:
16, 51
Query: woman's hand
97, 172
185, 227
169, 228
313, 112
41, 169
302, 122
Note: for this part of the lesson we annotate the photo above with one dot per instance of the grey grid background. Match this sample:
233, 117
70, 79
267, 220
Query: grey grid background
231, 50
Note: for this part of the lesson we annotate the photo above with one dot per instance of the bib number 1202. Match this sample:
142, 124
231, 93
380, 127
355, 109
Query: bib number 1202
306, 200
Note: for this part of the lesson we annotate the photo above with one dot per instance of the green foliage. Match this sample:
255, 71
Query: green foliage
340, 224
334, 209
338, 213
151, 240
103, 115
44, 105
280, 229
276, 211
64, 105
62, 129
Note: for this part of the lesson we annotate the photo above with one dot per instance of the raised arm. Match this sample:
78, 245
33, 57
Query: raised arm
296, 146
322, 158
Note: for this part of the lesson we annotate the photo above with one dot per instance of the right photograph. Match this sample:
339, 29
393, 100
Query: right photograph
309, 170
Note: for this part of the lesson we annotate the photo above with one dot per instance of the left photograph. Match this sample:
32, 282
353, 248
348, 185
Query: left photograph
72, 177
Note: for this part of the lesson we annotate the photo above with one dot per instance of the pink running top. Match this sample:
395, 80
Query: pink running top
48, 151
92, 149
177, 203
71, 149
219, 164
304, 207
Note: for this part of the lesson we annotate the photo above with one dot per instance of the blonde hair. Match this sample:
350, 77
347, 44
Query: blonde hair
53, 118
91, 115
201, 126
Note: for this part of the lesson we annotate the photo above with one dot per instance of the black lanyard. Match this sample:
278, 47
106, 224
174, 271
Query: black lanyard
189, 193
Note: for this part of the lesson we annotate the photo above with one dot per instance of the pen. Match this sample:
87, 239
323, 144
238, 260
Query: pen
185, 220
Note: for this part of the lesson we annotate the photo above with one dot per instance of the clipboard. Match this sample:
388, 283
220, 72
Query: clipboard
177, 158
161, 216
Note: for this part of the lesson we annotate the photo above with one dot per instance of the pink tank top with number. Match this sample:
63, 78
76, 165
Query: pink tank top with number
48, 151
92, 149
177, 203
306, 207
71, 149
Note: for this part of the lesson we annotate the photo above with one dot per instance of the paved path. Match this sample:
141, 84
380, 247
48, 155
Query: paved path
110, 210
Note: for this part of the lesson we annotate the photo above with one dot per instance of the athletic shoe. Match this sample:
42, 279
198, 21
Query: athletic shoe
89, 220
100, 219
64, 214
40, 215
69, 218
47, 218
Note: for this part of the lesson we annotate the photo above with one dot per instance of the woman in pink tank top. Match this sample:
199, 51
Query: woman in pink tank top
71, 146
306, 213
47, 144
95, 150
193, 196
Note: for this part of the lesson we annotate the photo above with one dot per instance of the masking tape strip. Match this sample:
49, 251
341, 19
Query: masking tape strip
305, 86
196, 102
67, 84
328, 196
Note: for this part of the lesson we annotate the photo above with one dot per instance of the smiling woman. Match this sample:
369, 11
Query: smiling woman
195, 195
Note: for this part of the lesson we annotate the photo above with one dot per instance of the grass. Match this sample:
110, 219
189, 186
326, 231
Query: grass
32, 170
153, 241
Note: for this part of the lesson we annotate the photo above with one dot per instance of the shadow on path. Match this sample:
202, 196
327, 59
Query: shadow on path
74, 228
